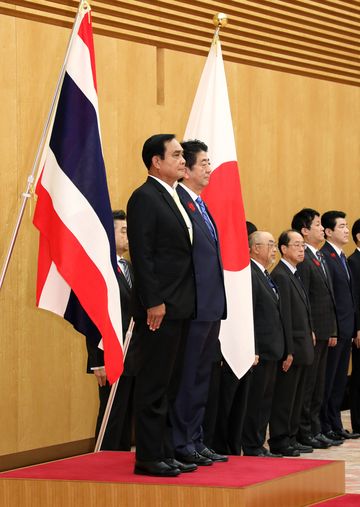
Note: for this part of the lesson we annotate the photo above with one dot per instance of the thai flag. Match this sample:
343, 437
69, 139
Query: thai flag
210, 121
77, 257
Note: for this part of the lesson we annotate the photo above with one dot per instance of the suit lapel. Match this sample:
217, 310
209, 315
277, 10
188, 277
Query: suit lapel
334, 256
195, 214
261, 276
170, 202
297, 285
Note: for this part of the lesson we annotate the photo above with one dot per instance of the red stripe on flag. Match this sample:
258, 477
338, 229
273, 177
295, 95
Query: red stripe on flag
90, 288
85, 33
224, 199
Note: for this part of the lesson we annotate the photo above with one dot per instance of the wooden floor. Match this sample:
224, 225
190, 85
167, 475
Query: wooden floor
349, 451
290, 485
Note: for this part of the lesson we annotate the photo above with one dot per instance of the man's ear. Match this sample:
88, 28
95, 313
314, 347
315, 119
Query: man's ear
156, 161
328, 232
358, 238
187, 173
304, 232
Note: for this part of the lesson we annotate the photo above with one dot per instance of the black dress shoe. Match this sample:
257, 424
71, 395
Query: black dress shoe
194, 458
332, 435
314, 443
286, 451
259, 452
347, 434
302, 448
183, 467
158, 468
210, 454
322, 438
268, 454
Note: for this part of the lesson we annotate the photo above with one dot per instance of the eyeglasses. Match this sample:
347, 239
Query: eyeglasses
297, 244
269, 245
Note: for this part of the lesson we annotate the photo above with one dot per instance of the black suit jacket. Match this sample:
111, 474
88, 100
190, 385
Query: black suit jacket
296, 315
343, 292
160, 250
268, 326
209, 277
354, 263
321, 296
96, 355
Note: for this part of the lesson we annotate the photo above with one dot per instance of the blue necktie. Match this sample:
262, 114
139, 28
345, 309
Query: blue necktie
271, 282
206, 217
344, 263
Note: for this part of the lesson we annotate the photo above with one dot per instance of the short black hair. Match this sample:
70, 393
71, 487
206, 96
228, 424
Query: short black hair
284, 239
155, 145
119, 214
304, 218
250, 228
191, 149
328, 219
355, 230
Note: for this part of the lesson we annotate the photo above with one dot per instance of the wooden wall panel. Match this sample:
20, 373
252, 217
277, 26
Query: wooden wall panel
297, 140
297, 36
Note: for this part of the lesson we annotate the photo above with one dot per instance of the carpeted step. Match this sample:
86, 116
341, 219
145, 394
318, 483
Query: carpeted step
340, 501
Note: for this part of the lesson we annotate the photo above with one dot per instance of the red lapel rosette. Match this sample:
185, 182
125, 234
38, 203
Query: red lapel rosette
191, 206
333, 255
316, 262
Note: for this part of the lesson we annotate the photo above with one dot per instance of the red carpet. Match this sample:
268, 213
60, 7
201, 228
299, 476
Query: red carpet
341, 501
107, 466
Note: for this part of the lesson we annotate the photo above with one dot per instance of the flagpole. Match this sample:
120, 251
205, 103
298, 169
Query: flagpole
113, 390
220, 20
83, 7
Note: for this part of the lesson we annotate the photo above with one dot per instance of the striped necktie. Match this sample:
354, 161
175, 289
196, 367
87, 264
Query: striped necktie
321, 259
125, 271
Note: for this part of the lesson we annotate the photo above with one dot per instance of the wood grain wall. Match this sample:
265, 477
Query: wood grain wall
297, 129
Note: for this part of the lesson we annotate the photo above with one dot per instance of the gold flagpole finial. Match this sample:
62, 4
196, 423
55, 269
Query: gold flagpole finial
220, 20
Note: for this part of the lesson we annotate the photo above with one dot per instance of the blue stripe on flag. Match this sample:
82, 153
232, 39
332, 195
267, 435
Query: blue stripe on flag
75, 142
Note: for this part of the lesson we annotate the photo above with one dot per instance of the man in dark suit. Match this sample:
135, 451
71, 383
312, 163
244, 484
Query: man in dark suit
354, 263
269, 344
202, 344
290, 381
117, 436
317, 281
160, 241
337, 236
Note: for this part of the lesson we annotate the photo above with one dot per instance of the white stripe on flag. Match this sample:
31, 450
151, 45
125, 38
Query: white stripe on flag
80, 218
55, 293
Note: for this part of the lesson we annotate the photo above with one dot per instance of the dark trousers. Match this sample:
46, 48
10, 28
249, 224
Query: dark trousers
212, 404
233, 397
335, 382
286, 407
310, 424
262, 383
161, 355
355, 390
187, 413
117, 435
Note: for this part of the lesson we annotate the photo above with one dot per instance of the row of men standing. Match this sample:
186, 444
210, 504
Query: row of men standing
307, 312
177, 264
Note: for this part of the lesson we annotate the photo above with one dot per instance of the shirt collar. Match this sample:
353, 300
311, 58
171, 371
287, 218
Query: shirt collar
290, 266
169, 188
336, 248
260, 266
192, 194
312, 248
